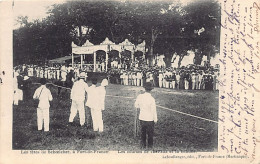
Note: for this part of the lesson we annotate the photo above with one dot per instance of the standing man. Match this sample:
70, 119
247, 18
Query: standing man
173, 80
122, 78
77, 96
44, 96
186, 80
70, 79
102, 93
178, 77
196, 80
145, 104
193, 80
26, 87
200, 80
63, 74
16, 89
93, 102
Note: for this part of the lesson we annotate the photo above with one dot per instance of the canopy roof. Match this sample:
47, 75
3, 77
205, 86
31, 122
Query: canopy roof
62, 59
107, 45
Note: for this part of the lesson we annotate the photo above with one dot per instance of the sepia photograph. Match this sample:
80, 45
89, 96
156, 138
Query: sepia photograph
127, 81
126, 76
116, 75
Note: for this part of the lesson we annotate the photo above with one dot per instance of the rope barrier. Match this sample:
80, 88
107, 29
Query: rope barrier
156, 105
187, 114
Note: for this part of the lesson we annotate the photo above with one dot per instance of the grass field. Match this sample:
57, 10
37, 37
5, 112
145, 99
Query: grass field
173, 131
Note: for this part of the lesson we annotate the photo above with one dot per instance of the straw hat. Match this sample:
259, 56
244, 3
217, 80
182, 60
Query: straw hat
83, 75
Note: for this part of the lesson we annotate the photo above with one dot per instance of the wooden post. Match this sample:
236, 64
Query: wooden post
136, 122
95, 55
132, 57
72, 60
106, 60
120, 56
81, 61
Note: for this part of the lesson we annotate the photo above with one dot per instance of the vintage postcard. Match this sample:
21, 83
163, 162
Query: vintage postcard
127, 81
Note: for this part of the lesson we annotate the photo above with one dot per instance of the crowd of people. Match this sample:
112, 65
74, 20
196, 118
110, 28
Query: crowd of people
57, 71
190, 77
82, 95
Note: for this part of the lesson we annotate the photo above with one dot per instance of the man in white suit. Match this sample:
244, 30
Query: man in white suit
77, 96
93, 102
44, 96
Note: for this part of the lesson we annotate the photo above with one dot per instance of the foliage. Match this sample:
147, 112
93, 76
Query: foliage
166, 27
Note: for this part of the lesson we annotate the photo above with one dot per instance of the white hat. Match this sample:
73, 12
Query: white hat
104, 82
25, 78
82, 75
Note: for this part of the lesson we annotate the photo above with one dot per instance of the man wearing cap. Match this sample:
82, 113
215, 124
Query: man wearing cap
44, 96
77, 96
146, 106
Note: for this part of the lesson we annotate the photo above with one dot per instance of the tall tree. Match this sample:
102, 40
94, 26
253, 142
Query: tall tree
166, 27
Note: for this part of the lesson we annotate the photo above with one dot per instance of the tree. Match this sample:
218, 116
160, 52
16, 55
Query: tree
204, 28
166, 27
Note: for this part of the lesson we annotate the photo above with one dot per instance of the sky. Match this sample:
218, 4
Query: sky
33, 9
37, 9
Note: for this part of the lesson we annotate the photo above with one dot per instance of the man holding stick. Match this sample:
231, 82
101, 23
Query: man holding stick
146, 106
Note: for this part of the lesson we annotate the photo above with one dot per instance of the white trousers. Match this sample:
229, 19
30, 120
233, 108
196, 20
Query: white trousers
43, 118
173, 84
77, 106
193, 85
142, 83
96, 115
167, 83
186, 84
125, 81
197, 85
139, 82
164, 83
135, 82
160, 83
